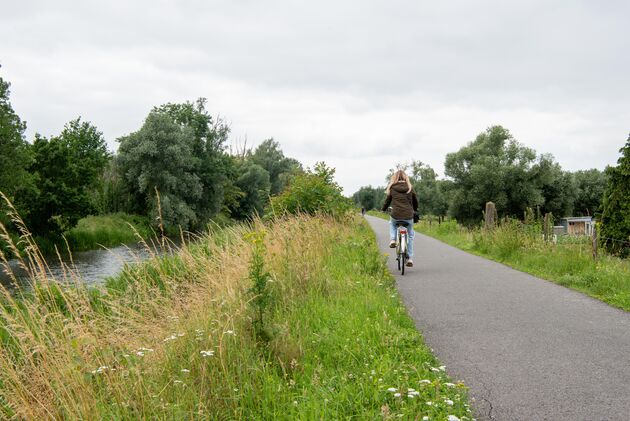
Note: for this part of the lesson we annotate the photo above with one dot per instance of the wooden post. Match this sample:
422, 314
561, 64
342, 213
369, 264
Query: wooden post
490, 215
548, 226
595, 241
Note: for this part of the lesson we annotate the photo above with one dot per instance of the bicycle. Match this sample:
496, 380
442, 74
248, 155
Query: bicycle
402, 238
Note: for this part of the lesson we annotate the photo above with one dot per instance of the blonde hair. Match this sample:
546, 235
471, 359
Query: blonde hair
397, 177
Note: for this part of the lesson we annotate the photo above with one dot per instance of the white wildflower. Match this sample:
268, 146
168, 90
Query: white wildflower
411, 396
449, 384
229, 332
430, 403
208, 353
140, 354
397, 395
100, 369
442, 368
185, 370
425, 418
448, 402
170, 338
425, 381
452, 418
392, 389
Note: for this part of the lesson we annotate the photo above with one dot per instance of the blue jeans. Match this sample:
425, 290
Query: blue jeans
392, 233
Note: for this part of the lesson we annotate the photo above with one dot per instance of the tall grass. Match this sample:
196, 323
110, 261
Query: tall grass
107, 230
568, 262
173, 338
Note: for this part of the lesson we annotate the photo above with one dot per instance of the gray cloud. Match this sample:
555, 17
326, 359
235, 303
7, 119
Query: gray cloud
360, 84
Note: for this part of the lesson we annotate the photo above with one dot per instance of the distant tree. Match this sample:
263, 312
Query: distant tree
269, 156
615, 230
252, 181
67, 168
15, 157
494, 167
208, 149
590, 186
161, 156
442, 198
369, 197
557, 187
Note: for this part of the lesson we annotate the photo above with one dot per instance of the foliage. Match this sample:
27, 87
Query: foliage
269, 156
67, 168
259, 277
210, 136
497, 168
107, 230
369, 197
160, 157
590, 186
253, 185
16, 182
312, 192
616, 205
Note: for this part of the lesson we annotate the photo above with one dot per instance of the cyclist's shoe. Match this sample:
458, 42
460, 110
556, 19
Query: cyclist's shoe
392, 244
409, 263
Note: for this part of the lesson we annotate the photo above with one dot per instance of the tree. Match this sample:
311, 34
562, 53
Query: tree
253, 183
615, 230
68, 168
208, 148
269, 156
160, 156
15, 157
493, 168
590, 186
557, 187
369, 197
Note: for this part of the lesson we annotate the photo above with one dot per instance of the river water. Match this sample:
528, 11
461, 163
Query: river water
93, 266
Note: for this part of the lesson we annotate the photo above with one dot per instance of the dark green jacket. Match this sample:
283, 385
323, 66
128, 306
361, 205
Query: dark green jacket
403, 203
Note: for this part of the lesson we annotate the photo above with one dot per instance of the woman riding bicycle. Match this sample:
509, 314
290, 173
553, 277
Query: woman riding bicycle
404, 202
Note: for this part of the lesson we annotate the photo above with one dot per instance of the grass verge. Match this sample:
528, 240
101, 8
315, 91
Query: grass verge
174, 338
107, 230
568, 263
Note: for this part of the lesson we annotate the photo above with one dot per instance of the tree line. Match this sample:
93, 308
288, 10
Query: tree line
176, 166
497, 168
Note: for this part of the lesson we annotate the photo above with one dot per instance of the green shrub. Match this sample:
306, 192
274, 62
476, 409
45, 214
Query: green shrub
313, 192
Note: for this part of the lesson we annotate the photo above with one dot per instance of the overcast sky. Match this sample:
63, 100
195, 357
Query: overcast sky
361, 85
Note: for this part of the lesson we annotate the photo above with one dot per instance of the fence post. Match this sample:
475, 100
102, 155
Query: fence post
595, 241
548, 226
490, 215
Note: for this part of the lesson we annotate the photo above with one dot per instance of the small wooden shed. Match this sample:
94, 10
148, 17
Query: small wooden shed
578, 225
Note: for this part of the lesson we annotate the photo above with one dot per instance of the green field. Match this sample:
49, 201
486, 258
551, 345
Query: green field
187, 338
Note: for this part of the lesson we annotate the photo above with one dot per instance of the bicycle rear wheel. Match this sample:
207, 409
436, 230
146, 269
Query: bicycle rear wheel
403, 263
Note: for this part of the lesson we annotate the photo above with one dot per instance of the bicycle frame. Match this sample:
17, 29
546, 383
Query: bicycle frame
402, 238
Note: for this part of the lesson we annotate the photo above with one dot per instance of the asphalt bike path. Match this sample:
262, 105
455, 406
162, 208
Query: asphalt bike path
528, 349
